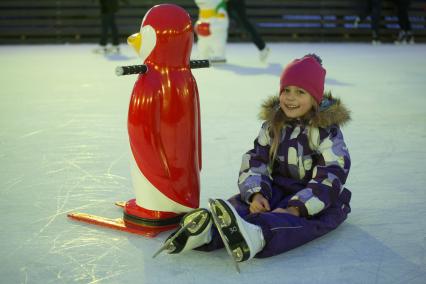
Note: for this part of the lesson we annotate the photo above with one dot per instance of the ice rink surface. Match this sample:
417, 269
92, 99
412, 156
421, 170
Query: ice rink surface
64, 147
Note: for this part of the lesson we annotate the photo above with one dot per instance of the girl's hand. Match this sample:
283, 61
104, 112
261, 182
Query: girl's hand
290, 210
259, 204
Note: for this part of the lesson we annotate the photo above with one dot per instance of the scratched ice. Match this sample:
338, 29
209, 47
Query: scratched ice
64, 147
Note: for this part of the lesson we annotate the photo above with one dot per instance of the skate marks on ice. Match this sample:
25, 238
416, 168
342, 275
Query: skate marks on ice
271, 69
360, 256
10, 184
49, 129
51, 250
94, 255
40, 247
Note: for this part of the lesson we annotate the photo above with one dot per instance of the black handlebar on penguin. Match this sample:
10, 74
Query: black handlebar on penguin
141, 69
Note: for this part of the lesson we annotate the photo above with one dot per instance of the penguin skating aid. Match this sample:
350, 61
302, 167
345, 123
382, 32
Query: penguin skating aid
164, 120
163, 126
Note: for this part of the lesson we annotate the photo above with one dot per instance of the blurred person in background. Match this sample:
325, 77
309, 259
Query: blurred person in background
405, 34
374, 8
371, 8
237, 11
108, 10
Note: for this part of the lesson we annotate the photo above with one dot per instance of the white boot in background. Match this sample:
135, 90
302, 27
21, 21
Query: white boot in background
264, 53
114, 49
194, 231
242, 239
101, 50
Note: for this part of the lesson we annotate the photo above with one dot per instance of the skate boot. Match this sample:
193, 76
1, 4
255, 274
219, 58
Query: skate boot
241, 239
401, 39
405, 37
264, 53
356, 22
409, 37
114, 49
194, 231
375, 38
101, 50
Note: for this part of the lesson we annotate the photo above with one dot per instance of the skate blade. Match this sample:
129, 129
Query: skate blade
169, 241
218, 224
191, 227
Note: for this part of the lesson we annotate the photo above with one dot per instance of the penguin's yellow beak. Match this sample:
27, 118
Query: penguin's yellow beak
135, 41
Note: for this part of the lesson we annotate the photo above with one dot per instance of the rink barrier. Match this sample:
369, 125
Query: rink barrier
78, 21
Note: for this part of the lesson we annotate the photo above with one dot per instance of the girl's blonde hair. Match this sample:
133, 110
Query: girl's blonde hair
277, 125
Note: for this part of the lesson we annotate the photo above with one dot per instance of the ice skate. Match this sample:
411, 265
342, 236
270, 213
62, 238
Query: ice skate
241, 239
356, 22
114, 49
264, 53
194, 231
101, 50
410, 38
405, 37
375, 39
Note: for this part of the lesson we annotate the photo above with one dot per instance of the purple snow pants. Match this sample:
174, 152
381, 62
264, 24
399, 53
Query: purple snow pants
283, 232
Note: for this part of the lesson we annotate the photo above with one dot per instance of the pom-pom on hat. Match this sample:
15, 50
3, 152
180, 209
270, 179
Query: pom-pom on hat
306, 73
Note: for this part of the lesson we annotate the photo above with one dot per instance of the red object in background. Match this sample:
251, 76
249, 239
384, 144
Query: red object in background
203, 29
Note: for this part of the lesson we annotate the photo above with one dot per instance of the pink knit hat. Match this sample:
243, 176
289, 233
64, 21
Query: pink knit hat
306, 73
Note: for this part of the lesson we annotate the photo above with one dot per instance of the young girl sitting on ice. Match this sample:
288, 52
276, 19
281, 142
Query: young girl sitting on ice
291, 183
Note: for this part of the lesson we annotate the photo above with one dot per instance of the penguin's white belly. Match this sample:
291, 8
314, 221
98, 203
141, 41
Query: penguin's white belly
147, 196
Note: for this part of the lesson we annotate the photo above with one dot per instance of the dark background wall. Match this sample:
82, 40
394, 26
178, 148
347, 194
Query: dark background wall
77, 21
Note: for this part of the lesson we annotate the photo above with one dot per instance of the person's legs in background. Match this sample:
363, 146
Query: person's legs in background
108, 9
237, 11
364, 10
114, 33
405, 34
104, 35
376, 11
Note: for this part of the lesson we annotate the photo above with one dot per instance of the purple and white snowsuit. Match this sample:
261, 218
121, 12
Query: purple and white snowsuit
307, 173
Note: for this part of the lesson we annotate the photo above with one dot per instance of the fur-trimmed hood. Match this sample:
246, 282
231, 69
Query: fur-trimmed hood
331, 112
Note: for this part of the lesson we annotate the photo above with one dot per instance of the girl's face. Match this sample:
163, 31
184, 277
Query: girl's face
295, 101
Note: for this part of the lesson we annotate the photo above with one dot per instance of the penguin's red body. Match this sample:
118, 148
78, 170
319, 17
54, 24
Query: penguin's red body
164, 117
164, 128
